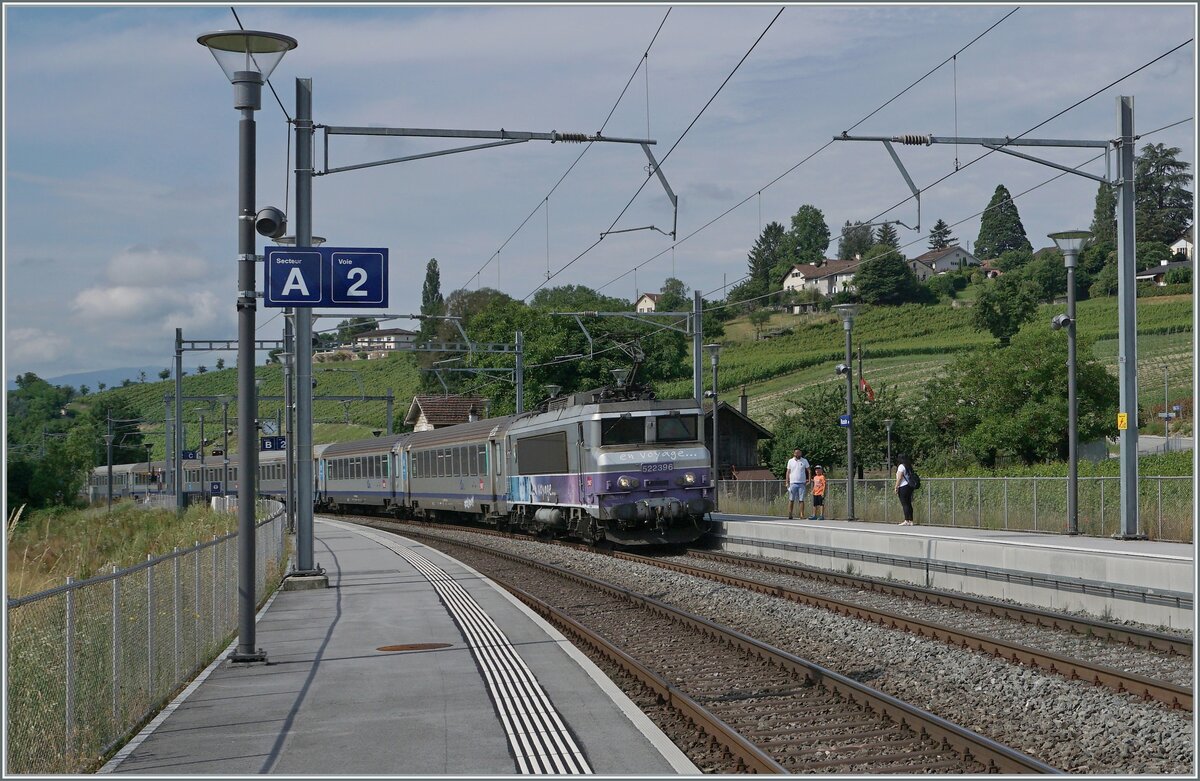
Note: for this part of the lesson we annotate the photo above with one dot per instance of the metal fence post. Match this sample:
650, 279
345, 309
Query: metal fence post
149, 628
928, 507
175, 599
978, 503
1035, 523
1159, 481
196, 601
1102, 520
212, 621
954, 501
1005, 479
69, 694
116, 644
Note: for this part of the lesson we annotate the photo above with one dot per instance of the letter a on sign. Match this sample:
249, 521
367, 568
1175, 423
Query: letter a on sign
295, 281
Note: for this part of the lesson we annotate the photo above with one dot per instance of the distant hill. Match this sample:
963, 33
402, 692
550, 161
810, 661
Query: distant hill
110, 377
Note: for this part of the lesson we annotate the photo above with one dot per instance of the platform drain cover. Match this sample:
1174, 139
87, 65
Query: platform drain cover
413, 647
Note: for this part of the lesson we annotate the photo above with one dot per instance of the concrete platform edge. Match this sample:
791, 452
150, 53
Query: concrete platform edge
641, 721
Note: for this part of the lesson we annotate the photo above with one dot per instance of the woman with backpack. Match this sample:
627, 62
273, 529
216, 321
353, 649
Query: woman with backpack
906, 482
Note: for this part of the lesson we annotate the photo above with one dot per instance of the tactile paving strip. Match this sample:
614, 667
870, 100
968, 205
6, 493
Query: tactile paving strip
536, 733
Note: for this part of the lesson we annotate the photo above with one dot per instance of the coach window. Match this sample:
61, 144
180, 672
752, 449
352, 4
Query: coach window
455, 463
543, 454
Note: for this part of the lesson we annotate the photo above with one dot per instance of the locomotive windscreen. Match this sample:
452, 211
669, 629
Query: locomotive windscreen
622, 431
677, 428
542, 455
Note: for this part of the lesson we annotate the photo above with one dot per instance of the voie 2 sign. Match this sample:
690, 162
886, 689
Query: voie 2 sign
326, 277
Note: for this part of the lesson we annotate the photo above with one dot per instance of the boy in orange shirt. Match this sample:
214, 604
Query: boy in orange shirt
818, 495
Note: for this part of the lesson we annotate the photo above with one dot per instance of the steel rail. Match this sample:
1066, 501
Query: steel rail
996, 756
1156, 641
750, 758
1074, 669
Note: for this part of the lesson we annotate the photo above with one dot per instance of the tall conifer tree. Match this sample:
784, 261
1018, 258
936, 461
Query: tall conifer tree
939, 236
1000, 230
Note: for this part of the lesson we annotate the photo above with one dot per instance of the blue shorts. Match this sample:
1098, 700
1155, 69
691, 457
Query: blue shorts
796, 491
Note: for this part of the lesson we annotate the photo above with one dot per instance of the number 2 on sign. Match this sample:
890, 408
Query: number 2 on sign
356, 289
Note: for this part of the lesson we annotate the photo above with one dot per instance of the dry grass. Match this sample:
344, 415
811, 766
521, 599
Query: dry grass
45, 547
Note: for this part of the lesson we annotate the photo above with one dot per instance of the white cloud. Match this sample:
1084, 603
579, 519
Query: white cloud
28, 345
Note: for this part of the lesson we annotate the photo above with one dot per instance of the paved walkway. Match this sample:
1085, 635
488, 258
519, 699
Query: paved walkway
408, 664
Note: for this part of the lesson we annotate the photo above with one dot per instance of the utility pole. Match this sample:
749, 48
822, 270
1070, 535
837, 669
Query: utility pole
520, 372
697, 348
1125, 146
179, 498
289, 465
108, 440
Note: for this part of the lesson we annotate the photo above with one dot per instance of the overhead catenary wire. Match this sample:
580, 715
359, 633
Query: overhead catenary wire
571, 167
667, 155
822, 148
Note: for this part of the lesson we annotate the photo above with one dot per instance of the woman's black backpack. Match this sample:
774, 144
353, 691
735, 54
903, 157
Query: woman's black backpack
914, 479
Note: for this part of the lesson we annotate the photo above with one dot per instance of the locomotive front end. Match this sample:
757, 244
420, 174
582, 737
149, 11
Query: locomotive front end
652, 473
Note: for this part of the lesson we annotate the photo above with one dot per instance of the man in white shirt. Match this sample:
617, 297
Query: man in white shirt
797, 477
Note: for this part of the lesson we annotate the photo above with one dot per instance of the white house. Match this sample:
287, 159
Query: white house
646, 302
921, 270
1184, 245
946, 259
1158, 274
379, 343
832, 277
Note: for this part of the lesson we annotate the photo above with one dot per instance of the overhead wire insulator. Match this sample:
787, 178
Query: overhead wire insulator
912, 139
577, 138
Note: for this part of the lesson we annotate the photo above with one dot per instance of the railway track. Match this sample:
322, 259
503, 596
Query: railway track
1120, 680
768, 710
1073, 668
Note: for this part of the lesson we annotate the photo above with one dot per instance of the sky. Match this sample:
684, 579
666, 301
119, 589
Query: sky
120, 144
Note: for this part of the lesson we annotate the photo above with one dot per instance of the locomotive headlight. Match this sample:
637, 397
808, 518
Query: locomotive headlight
689, 478
627, 483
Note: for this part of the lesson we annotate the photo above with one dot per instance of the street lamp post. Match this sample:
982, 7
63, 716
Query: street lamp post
225, 398
247, 57
149, 469
1069, 243
889, 423
108, 440
847, 312
714, 352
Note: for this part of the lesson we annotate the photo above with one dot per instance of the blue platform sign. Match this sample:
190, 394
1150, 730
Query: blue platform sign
272, 443
844, 421
214, 488
188, 455
326, 277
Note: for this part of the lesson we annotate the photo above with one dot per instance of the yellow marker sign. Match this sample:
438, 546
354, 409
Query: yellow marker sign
1122, 421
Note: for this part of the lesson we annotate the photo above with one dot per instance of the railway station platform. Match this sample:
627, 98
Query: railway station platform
409, 663
1124, 580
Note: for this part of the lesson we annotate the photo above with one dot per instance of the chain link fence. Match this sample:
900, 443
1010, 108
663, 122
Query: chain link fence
90, 661
1039, 504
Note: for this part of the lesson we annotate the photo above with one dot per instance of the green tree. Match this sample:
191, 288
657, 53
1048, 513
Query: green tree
1003, 306
1014, 259
758, 318
765, 255
1179, 276
1106, 281
201, 369
220, 364
101, 385
813, 427
577, 298
1000, 230
164, 374
804, 243
142, 376
84, 390
1104, 216
855, 241
1150, 254
1163, 196
432, 302
352, 327
673, 297
939, 237
1047, 276
885, 278
997, 404
886, 235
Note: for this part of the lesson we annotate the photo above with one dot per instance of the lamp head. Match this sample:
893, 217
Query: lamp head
1072, 241
553, 390
247, 51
